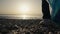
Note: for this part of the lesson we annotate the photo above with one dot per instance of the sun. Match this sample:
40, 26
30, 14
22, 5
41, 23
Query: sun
24, 8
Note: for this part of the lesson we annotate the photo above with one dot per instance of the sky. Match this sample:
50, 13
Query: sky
18, 8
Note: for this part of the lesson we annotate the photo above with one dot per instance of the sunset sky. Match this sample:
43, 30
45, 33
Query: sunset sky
21, 7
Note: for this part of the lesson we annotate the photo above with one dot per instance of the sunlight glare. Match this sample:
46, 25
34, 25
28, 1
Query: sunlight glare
24, 16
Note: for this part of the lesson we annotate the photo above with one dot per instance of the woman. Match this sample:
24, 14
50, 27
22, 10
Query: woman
45, 10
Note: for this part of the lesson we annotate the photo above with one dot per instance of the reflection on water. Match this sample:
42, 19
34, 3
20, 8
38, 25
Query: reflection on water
21, 16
